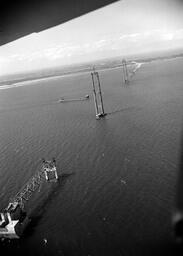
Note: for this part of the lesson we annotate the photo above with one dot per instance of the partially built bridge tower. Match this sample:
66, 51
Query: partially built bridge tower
47, 172
125, 71
97, 95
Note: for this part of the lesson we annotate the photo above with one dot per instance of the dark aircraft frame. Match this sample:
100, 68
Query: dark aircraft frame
19, 18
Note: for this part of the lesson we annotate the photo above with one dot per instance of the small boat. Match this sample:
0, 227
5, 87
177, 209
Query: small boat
61, 100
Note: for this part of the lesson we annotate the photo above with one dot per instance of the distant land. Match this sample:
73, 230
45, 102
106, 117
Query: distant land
88, 66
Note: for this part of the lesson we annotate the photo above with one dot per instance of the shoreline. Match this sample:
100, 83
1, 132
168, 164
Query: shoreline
69, 74
32, 81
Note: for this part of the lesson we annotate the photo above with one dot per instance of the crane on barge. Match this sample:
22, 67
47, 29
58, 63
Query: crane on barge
13, 219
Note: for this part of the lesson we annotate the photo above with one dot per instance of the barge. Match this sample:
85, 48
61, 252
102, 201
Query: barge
86, 97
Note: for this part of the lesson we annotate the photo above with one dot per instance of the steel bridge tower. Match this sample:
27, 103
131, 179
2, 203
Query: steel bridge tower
125, 72
97, 95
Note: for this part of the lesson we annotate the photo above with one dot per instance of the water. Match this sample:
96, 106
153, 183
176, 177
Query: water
116, 195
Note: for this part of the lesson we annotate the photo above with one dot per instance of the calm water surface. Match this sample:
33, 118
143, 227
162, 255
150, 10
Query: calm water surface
118, 175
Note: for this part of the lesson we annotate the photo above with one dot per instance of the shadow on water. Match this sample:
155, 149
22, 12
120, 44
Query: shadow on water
122, 110
37, 213
11, 247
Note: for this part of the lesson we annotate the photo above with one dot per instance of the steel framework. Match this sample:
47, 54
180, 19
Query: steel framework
33, 184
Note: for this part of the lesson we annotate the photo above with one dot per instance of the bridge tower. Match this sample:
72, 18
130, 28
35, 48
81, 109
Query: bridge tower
97, 95
125, 72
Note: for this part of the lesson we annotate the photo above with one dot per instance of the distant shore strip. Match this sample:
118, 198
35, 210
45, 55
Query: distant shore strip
33, 81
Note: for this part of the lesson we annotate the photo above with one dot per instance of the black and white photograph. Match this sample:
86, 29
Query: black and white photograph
91, 127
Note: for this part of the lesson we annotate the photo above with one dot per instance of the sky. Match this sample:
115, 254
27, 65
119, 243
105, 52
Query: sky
123, 28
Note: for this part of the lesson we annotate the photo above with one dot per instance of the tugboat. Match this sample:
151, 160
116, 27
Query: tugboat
14, 219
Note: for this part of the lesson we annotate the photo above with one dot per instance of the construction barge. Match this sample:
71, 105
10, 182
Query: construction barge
62, 100
14, 218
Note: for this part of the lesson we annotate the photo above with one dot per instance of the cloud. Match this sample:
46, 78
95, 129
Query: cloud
125, 27
60, 51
